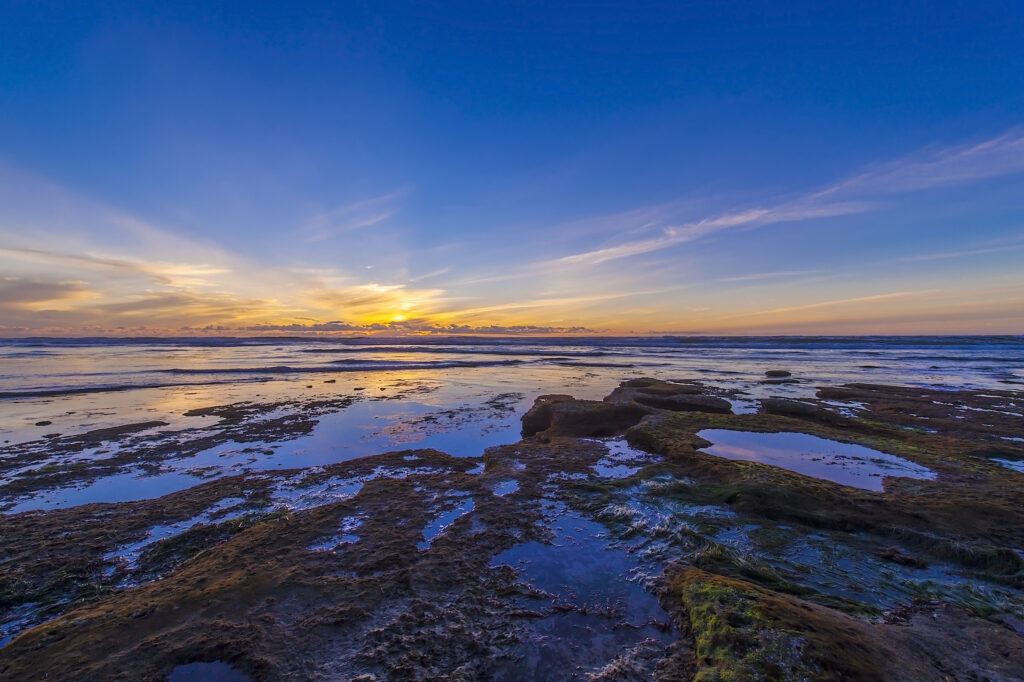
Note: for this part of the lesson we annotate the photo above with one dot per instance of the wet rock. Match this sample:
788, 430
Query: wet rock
777, 373
539, 417
664, 395
898, 616
639, 663
562, 415
659, 387
211, 672
44, 423
250, 592
794, 408
943, 412
998, 452
742, 631
687, 403
1009, 621
897, 557
115, 432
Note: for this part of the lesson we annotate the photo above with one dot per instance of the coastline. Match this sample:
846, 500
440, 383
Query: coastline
705, 565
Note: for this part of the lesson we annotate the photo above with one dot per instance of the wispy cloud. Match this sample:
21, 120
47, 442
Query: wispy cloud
548, 302
30, 293
53, 257
841, 302
939, 167
930, 168
169, 274
431, 275
173, 307
353, 216
687, 232
1011, 245
112, 269
760, 276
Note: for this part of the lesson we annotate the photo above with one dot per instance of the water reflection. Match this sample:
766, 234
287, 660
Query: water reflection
844, 463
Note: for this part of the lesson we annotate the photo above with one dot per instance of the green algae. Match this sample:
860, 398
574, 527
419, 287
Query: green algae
746, 558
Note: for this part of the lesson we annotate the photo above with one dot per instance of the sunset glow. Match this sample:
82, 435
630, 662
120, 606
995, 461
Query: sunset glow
511, 341
449, 206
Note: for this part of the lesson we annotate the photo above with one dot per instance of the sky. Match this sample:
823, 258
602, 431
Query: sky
511, 168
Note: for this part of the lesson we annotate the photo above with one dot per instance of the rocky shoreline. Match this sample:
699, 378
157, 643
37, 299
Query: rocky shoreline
606, 544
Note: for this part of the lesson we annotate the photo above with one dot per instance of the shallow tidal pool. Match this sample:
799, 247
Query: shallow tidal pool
843, 463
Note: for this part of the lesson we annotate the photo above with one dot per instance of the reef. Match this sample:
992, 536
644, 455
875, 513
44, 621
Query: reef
607, 544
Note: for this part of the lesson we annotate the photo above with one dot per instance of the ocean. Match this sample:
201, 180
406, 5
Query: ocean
458, 395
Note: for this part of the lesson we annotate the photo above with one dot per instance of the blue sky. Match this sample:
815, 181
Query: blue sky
512, 167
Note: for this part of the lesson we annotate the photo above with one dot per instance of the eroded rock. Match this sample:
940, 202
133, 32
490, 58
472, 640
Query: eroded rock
561, 415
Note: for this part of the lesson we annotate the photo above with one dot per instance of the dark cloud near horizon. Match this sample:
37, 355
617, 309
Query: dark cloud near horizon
415, 327
19, 291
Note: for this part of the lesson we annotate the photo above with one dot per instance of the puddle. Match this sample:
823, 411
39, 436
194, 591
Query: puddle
335, 489
127, 487
843, 463
346, 536
506, 488
129, 554
1015, 465
367, 428
656, 528
464, 428
563, 476
846, 408
15, 620
445, 519
622, 461
744, 406
297, 494
207, 672
595, 612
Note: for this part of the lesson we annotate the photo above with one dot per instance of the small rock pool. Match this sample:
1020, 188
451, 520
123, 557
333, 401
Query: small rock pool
214, 671
594, 613
843, 463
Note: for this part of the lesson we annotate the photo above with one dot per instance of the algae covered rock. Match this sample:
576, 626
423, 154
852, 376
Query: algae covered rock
760, 572
794, 408
664, 395
687, 403
561, 415
658, 386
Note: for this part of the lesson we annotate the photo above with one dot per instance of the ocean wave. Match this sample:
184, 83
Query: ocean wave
346, 365
582, 363
459, 350
58, 391
517, 345
53, 367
